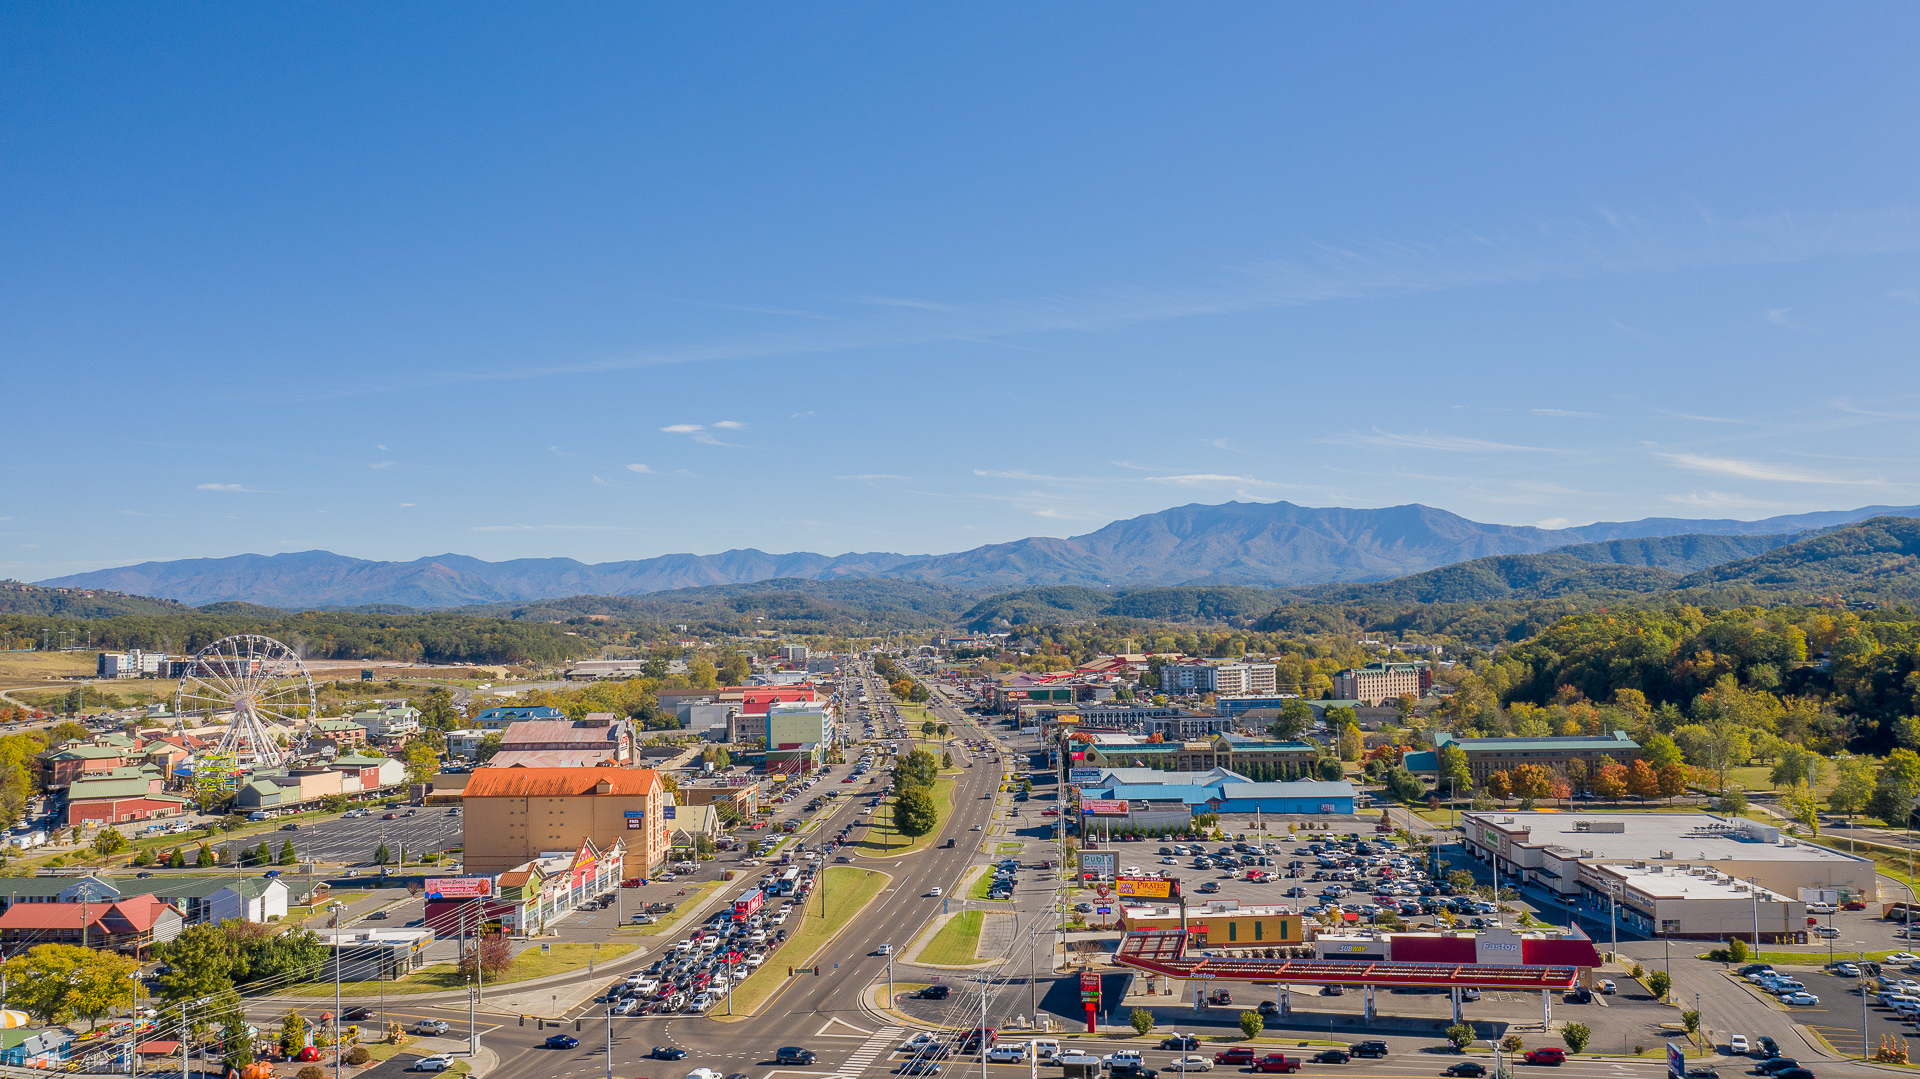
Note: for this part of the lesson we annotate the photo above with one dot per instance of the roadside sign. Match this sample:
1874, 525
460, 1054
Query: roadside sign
546, 949
1103, 910
1676, 1062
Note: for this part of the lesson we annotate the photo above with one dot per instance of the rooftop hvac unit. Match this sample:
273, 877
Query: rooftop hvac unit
1586, 854
1666, 855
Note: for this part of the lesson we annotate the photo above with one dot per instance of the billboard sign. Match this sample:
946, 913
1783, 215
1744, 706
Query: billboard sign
1102, 807
1144, 888
1080, 777
459, 888
1102, 864
1676, 1062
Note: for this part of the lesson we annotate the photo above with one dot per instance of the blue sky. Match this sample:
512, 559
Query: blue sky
616, 281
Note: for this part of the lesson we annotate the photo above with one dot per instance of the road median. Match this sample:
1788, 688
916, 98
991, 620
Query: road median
848, 891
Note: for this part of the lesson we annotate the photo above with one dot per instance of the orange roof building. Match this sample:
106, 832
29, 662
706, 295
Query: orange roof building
511, 816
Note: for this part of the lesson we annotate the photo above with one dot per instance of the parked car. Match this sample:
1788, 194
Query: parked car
438, 1062
1737, 1045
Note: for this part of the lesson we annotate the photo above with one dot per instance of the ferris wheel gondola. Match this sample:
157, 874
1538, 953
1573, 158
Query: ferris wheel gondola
250, 683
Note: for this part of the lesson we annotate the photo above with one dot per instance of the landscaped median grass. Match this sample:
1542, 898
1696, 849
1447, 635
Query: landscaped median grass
383, 1051
848, 891
957, 942
446, 977
883, 840
670, 922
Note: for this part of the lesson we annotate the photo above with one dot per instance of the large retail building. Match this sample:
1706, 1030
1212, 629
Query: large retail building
1679, 874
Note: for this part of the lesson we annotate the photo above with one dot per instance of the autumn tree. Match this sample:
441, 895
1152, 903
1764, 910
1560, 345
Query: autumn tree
1530, 782
1673, 781
1642, 781
1611, 783
1500, 785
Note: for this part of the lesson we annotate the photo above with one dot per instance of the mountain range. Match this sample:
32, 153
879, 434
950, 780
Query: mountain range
1264, 545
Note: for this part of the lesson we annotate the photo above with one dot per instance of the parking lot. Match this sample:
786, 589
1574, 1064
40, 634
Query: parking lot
354, 841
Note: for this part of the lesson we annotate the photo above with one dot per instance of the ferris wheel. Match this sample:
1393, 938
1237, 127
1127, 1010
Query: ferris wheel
247, 681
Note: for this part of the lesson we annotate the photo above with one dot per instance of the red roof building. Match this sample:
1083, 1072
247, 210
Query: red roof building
131, 923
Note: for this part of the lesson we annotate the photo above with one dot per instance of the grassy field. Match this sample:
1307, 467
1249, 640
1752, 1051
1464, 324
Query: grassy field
1009, 848
848, 891
1892, 864
956, 943
883, 840
303, 915
444, 977
39, 666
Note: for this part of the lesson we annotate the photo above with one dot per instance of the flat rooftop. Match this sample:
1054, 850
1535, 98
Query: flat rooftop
1666, 837
1696, 882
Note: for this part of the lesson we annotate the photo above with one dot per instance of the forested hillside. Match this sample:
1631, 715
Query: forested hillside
433, 638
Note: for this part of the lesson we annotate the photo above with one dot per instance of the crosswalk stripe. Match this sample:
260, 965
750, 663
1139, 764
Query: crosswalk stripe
881, 1042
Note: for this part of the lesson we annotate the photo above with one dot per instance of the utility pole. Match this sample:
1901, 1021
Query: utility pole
610, 1038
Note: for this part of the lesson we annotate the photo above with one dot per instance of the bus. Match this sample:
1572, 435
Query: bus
787, 882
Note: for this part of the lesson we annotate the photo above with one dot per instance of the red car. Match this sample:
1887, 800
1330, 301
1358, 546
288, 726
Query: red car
1238, 1056
1546, 1056
630, 882
1277, 1062
1055, 813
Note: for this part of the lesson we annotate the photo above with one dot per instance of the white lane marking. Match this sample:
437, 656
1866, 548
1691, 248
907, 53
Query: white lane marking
860, 1031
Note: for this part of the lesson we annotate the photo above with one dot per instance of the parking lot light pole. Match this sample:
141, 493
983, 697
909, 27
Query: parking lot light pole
1863, 1000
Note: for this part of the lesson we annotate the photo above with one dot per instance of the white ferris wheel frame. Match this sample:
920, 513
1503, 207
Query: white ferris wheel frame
256, 679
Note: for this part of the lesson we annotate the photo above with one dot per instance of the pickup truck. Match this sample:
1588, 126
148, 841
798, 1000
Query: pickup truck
1277, 1062
1548, 1056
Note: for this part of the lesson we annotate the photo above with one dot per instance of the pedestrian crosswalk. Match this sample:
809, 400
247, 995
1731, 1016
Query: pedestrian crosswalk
881, 1044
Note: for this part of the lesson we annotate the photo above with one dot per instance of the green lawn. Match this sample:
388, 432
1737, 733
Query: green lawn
883, 840
848, 891
687, 902
445, 977
956, 943
1009, 848
981, 885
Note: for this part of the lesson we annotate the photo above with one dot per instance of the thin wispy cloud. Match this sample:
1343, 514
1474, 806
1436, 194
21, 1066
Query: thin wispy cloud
1778, 316
381, 466
701, 434
407, 505
1441, 443
875, 477
1212, 479
1565, 413
1760, 470
642, 469
1721, 500
231, 488
1542, 250
549, 528
1698, 418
